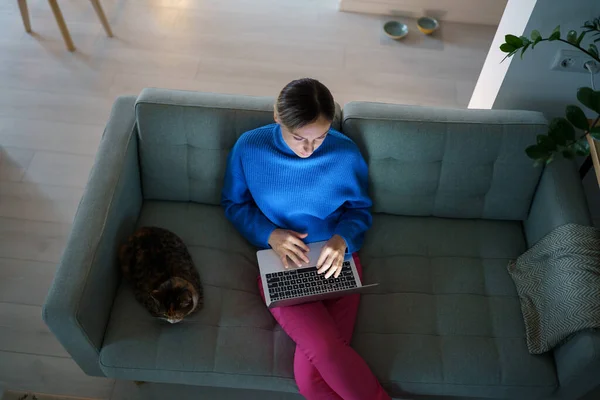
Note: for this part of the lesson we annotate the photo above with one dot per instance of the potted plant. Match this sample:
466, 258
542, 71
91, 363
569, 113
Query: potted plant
564, 135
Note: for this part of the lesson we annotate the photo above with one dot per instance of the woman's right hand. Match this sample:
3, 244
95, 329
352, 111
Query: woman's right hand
288, 243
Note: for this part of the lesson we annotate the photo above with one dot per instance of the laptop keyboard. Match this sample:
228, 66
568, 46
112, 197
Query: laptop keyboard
306, 282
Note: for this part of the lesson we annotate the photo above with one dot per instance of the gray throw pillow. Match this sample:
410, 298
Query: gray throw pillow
558, 282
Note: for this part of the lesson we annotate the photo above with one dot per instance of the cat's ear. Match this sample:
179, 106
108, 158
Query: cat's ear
153, 295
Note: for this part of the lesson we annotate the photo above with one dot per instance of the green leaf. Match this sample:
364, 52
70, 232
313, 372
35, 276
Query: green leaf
595, 135
536, 152
525, 40
536, 35
568, 154
561, 131
582, 147
545, 142
507, 48
593, 49
589, 98
516, 42
576, 116
572, 36
555, 34
536, 42
580, 38
524, 49
595, 129
550, 159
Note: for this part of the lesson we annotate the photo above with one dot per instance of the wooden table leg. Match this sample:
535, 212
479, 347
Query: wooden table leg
61, 25
102, 17
25, 15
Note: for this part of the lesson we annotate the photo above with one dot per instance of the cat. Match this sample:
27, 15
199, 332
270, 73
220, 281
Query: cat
160, 269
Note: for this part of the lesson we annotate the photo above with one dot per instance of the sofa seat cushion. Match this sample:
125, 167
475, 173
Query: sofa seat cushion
233, 341
446, 318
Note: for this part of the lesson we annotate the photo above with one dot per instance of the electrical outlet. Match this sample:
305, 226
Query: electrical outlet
571, 61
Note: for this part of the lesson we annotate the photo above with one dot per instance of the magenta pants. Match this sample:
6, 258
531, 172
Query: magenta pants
325, 366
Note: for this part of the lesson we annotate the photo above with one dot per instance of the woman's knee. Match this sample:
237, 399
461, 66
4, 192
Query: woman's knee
307, 382
324, 349
311, 385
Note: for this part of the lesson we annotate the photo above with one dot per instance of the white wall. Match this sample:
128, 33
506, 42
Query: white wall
514, 21
529, 84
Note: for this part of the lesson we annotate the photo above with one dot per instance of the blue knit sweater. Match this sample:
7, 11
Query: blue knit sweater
267, 186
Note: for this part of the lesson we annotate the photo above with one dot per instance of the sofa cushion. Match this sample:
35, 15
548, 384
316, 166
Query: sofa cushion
445, 318
426, 161
185, 138
233, 341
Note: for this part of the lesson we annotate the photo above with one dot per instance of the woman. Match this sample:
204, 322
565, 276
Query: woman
300, 181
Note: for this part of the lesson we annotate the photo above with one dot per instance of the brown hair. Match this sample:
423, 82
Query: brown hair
303, 101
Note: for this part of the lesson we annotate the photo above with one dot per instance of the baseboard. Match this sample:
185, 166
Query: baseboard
486, 12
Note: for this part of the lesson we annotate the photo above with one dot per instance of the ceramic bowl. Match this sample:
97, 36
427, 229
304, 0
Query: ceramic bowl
395, 29
427, 25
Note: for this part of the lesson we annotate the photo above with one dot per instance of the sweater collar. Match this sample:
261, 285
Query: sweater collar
280, 143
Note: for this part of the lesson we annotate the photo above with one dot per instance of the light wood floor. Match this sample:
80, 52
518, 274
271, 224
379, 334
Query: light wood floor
53, 105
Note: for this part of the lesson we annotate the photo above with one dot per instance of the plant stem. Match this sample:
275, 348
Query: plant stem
580, 48
595, 122
585, 133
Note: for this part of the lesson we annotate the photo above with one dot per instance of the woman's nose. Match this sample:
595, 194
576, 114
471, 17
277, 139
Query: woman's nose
309, 148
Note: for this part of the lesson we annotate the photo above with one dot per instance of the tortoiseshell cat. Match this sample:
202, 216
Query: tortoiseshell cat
159, 267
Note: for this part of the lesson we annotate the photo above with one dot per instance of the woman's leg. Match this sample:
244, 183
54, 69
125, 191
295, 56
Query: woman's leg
310, 382
316, 335
342, 312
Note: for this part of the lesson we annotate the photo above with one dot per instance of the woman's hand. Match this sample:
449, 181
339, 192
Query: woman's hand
288, 243
332, 257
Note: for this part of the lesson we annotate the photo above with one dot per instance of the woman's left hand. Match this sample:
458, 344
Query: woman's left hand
332, 257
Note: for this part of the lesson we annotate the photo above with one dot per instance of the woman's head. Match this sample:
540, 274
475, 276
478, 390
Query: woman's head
304, 110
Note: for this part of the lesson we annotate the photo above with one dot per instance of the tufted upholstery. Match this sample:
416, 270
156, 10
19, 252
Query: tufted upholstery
439, 162
232, 342
445, 320
455, 328
185, 138
453, 323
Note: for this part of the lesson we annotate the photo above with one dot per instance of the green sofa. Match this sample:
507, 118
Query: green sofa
454, 196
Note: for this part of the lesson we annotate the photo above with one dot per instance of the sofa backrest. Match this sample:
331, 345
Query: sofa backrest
427, 161
185, 138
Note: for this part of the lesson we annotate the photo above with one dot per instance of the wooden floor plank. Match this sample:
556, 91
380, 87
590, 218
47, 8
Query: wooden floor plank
25, 282
39, 202
23, 331
59, 169
32, 240
46, 374
32, 134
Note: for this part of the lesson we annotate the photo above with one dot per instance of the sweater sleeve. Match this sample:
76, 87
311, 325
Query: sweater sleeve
356, 218
239, 205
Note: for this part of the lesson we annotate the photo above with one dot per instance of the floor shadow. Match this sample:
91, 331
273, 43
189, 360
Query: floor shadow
59, 51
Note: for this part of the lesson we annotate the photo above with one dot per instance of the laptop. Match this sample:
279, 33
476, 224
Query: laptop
297, 285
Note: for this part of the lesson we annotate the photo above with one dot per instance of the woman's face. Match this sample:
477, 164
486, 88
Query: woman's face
304, 141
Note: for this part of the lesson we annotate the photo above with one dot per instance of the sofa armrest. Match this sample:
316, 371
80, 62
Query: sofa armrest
578, 365
558, 200
80, 299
